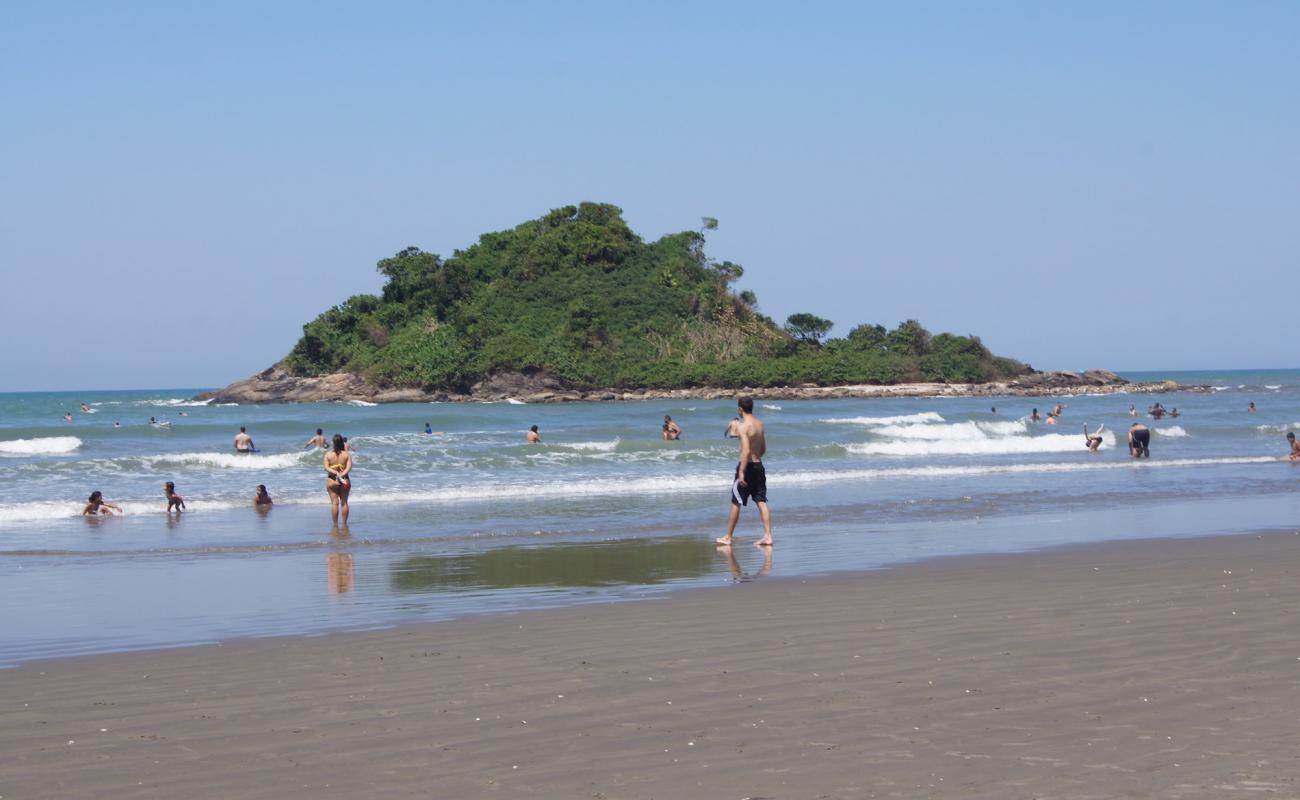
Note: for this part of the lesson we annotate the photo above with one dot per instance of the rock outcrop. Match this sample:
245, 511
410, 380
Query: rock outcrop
275, 385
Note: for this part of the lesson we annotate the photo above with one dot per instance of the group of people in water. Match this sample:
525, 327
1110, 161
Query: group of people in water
749, 478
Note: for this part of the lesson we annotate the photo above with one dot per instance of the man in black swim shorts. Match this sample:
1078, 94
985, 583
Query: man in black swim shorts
751, 479
1139, 440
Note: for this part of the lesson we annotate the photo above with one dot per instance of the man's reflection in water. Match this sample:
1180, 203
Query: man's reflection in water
341, 572
740, 576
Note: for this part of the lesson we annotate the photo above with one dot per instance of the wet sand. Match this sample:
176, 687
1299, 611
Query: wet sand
1161, 668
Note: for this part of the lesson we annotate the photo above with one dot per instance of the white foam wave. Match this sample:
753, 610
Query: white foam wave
1273, 386
594, 447
241, 461
45, 446
515, 402
922, 417
1220, 388
976, 430
973, 446
1172, 431
771, 407
174, 402
1294, 426
362, 403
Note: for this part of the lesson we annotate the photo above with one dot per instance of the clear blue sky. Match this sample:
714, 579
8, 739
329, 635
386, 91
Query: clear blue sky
184, 184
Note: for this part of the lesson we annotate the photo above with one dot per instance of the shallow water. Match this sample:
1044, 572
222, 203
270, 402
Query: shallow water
472, 520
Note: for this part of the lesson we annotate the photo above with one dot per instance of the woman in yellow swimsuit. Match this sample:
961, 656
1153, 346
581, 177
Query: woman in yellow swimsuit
338, 478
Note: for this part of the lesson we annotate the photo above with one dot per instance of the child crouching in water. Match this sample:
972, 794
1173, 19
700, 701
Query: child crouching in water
174, 501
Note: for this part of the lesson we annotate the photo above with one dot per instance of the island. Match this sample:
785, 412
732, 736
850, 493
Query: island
576, 306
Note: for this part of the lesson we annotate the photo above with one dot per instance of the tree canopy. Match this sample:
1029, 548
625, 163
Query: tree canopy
576, 294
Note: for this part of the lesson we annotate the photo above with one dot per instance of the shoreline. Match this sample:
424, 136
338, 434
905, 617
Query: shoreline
1155, 667
274, 385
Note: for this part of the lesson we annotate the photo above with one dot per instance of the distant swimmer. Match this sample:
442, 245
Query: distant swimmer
1034, 416
1060, 407
733, 429
1139, 440
153, 421
85, 408
67, 416
672, 431
533, 436
117, 424
1174, 413
428, 428
98, 505
244, 442
1132, 411
174, 501
182, 413
1051, 418
318, 441
1251, 407
1295, 446
338, 479
751, 479
261, 497
993, 410
1092, 440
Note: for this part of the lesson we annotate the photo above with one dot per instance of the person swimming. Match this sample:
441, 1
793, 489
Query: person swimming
244, 442
1251, 407
261, 497
533, 436
67, 416
428, 428
1295, 447
1092, 441
98, 505
732, 430
1034, 416
317, 441
671, 431
174, 501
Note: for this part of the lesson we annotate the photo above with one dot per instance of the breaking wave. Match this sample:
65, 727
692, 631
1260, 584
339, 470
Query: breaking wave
46, 446
922, 417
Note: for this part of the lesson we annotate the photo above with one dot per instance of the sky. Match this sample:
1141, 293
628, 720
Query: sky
183, 185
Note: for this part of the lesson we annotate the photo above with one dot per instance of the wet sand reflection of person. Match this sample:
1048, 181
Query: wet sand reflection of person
738, 575
340, 571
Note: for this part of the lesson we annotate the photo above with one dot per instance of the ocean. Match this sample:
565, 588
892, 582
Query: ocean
473, 520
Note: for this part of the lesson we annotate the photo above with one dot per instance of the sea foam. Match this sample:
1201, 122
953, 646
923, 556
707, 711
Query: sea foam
46, 446
922, 417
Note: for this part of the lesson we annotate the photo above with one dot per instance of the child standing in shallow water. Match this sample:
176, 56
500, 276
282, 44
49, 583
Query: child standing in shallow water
174, 501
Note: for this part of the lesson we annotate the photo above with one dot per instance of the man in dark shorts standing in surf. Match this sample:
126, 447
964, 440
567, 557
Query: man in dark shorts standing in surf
751, 480
1139, 440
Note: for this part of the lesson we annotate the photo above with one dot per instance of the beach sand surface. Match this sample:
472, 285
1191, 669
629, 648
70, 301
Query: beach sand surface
1156, 668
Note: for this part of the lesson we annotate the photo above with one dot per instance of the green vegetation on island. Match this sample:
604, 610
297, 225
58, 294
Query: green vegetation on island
577, 295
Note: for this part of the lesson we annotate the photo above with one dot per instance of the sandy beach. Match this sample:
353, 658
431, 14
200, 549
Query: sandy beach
1157, 668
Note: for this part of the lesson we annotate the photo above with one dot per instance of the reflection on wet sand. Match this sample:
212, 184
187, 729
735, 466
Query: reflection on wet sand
739, 575
597, 564
341, 572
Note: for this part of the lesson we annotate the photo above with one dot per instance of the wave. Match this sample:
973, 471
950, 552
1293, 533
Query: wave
771, 407
595, 447
361, 403
46, 446
676, 483
1172, 431
1220, 388
249, 461
924, 416
1294, 426
957, 446
1273, 386
175, 402
515, 402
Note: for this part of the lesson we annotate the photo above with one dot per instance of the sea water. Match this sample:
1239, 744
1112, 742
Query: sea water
471, 519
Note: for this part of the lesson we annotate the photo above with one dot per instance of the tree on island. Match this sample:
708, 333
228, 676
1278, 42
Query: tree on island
577, 296
808, 328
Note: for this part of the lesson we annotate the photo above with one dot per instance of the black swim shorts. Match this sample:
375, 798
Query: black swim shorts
755, 485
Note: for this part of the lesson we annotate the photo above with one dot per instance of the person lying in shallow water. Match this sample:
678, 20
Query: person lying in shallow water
98, 505
261, 497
